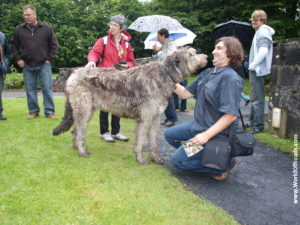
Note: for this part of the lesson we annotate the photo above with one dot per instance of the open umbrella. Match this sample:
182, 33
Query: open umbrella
242, 30
181, 36
154, 23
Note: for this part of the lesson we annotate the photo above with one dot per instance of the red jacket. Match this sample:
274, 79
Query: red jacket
109, 53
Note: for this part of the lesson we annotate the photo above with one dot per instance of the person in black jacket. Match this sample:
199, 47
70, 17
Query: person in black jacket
34, 46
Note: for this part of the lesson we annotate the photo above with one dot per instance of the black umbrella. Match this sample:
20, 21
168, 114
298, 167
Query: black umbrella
242, 30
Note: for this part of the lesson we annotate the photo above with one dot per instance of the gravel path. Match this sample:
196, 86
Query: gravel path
22, 94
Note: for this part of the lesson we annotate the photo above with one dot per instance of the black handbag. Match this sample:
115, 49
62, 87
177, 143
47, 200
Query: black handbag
216, 153
241, 142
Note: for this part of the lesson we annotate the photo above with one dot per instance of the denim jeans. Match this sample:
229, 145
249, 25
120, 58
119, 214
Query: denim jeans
181, 132
115, 123
257, 95
170, 112
176, 98
1, 89
31, 76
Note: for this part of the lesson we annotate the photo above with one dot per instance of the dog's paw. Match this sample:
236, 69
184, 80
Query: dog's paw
141, 160
85, 154
157, 159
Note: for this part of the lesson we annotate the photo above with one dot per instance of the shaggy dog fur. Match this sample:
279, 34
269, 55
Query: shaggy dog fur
139, 93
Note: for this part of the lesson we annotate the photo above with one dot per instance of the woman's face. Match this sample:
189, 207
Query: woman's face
115, 28
220, 56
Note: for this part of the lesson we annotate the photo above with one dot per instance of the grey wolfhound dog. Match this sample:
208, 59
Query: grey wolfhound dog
139, 93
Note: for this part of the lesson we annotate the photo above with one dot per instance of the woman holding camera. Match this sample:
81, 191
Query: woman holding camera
112, 50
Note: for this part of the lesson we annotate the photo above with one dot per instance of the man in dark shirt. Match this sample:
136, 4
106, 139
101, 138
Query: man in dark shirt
217, 91
34, 46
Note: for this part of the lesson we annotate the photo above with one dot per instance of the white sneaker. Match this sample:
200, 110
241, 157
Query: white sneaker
107, 137
120, 137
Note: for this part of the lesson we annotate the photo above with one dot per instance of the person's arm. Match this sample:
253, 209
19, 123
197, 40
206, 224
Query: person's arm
53, 46
182, 92
96, 52
15, 44
130, 57
225, 121
263, 49
6, 48
261, 54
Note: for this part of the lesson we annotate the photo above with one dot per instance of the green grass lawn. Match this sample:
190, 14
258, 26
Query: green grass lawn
43, 181
283, 145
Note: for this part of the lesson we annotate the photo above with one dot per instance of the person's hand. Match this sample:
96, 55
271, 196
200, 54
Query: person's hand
251, 67
124, 66
47, 61
155, 48
200, 139
90, 64
21, 63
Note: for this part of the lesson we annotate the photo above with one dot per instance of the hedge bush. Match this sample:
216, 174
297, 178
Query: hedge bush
15, 81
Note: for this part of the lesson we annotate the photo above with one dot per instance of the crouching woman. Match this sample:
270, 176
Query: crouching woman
217, 92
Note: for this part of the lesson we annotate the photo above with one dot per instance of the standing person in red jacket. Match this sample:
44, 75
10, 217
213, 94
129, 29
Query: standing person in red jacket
111, 50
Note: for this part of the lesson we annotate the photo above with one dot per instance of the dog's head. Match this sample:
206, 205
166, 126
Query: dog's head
181, 64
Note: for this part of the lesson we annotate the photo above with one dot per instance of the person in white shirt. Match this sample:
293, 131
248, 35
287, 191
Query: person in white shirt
260, 61
167, 48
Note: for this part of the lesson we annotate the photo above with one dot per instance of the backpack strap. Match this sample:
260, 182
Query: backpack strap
105, 41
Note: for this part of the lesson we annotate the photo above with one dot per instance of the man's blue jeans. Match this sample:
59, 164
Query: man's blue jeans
170, 112
31, 76
182, 132
257, 95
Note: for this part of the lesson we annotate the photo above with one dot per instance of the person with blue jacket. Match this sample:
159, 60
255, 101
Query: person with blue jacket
260, 61
4, 65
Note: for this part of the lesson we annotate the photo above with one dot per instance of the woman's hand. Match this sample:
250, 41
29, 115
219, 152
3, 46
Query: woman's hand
90, 64
200, 139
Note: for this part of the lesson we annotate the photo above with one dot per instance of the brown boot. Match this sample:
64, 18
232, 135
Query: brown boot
52, 116
226, 174
169, 124
32, 116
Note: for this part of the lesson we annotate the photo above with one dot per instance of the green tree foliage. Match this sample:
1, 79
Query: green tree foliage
78, 23
202, 15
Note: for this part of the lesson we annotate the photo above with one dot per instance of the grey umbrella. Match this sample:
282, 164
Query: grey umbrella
154, 23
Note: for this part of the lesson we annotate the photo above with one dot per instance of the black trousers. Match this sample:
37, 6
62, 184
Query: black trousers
115, 123
1, 89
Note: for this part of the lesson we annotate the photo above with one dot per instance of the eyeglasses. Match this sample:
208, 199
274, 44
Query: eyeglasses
114, 25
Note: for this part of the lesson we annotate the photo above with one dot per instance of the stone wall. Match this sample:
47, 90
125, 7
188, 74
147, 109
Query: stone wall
285, 82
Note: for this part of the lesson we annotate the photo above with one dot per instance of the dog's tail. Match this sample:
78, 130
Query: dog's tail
67, 121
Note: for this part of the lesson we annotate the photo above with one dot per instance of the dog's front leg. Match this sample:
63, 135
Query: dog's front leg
142, 132
153, 141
